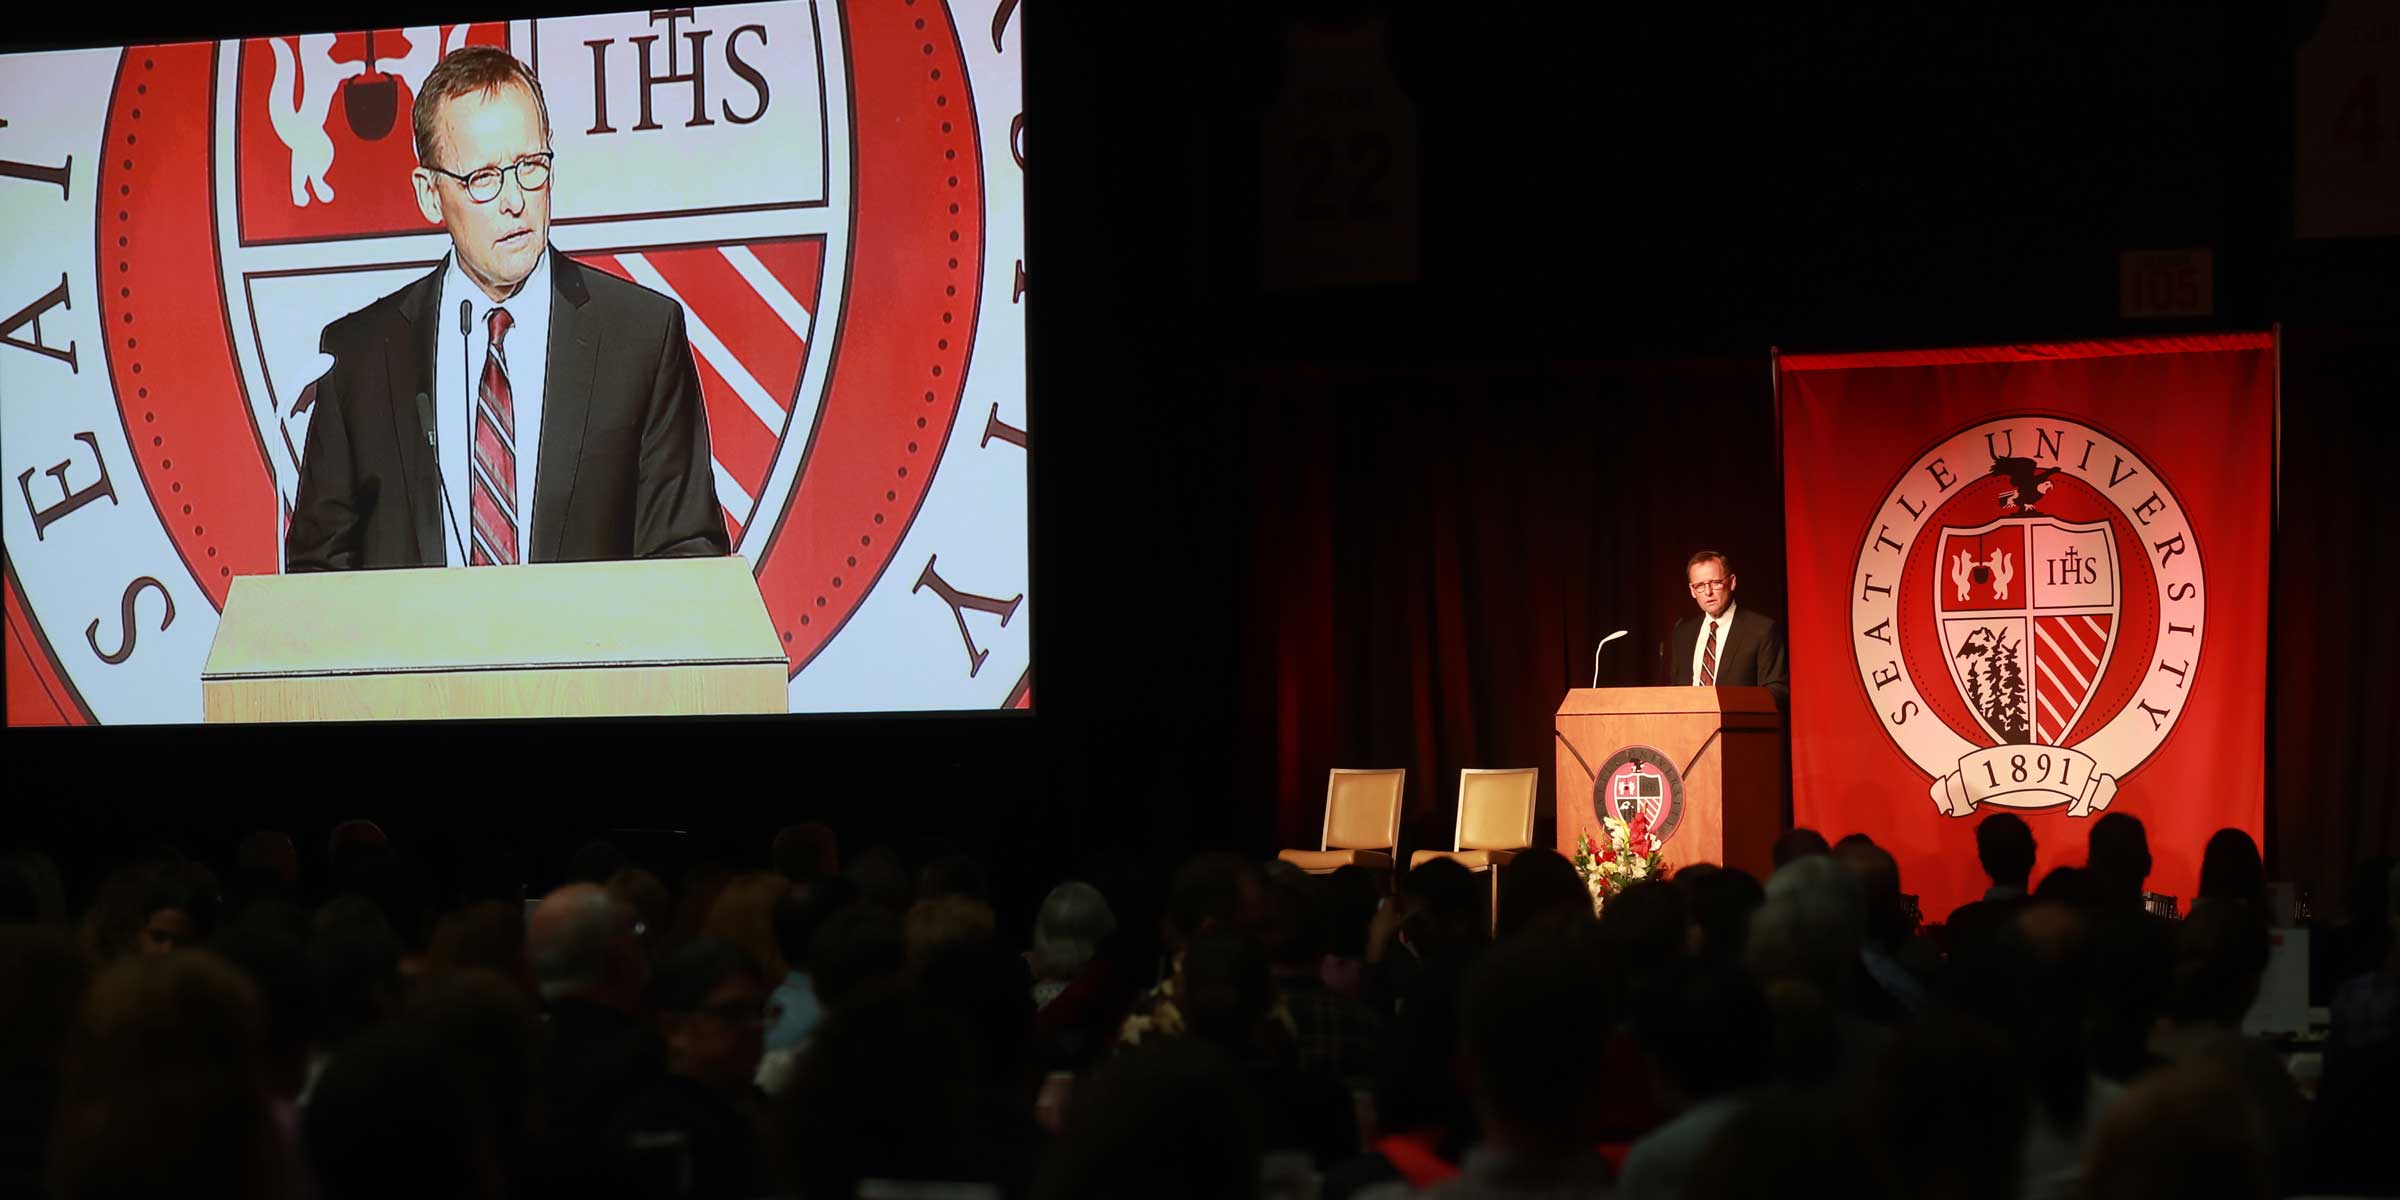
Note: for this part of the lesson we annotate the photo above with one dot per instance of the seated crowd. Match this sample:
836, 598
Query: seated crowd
1228, 1028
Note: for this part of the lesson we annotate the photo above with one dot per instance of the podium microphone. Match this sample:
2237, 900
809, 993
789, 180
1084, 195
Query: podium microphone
425, 417
466, 387
1596, 654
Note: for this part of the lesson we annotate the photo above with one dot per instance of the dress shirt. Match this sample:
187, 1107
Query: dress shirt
458, 370
1700, 643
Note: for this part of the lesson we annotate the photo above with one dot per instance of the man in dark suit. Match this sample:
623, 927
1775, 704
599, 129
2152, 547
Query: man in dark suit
2004, 844
1724, 645
511, 406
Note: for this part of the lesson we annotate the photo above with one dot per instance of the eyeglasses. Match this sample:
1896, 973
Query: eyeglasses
1711, 585
533, 174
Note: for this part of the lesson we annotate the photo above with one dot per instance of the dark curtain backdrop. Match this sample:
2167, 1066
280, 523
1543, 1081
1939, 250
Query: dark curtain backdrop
2333, 755
1432, 553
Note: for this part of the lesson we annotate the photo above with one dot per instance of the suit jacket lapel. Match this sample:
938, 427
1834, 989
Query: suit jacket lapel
409, 364
566, 404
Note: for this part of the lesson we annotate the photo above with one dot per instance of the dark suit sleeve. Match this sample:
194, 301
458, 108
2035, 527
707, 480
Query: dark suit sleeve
675, 511
328, 516
1774, 666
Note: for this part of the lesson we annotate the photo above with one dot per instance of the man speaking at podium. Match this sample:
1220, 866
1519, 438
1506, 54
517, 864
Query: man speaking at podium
511, 406
1724, 645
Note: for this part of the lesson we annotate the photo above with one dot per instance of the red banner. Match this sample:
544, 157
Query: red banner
2030, 579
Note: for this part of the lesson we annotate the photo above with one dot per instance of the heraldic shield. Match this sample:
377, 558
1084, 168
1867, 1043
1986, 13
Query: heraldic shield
2029, 610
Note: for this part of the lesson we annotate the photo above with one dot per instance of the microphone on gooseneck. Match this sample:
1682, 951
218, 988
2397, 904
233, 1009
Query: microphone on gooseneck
1596, 654
425, 418
466, 381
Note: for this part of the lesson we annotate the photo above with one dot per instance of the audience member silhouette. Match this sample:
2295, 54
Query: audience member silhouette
2118, 856
2358, 1098
489, 934
266, 866
1424, 1122
882, 881
490, 1025
397, 1116
1533, 1069
944, 920
693, 1132
1889, 988
46, 974
953, 875
1798, 843
652, 904
1171, 1119
1702, 1023
2220, 956
270, 942
858, 953
743, 916
1804, 946
589, 967
794, 1008
2181, 1133
1067, 932
888, 1090
2004, 845
806, 853
358, 968
1721, 900
2230, 869
1331, 1033
1948, 1104
163, 1092
1540, 887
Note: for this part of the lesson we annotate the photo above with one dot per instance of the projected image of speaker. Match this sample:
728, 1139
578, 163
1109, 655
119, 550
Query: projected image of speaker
413, 304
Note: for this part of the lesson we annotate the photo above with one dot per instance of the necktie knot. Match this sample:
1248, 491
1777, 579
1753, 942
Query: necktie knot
499, 322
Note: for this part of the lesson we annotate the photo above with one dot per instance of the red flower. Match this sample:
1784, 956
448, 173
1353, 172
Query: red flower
1608, 852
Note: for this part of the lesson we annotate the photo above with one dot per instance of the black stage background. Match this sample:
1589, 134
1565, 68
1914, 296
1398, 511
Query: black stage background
1281, 531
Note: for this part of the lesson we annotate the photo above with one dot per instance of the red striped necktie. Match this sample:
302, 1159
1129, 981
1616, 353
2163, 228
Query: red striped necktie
1708, 658
493, 498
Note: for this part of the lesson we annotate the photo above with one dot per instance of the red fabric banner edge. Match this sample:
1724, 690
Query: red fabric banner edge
2199, 343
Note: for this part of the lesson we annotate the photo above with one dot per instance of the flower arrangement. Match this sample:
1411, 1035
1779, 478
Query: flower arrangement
1628, 855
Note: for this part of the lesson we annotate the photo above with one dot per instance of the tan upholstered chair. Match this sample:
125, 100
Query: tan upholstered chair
1495, 823
1362, 823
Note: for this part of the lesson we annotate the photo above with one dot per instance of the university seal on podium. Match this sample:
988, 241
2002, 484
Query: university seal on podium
1639, 780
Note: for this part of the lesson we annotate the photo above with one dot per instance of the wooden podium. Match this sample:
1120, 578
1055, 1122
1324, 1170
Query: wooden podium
1706, 762
657, 637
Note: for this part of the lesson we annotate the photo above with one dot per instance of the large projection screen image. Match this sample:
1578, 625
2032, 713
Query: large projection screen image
781, 318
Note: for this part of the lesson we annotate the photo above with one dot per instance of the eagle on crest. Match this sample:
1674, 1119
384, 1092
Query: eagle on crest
2029, 482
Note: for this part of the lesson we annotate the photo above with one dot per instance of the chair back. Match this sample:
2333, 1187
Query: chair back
1362, 809
1495, 808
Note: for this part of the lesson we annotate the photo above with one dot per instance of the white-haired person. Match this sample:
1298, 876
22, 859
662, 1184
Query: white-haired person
1066, 933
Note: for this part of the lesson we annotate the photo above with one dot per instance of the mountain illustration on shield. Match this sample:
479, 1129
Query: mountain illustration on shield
1995, 682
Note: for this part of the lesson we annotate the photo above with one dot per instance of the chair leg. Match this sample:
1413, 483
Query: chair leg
1494, 872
